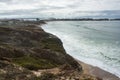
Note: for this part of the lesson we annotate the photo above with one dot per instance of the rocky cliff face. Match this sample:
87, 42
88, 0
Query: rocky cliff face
27, 52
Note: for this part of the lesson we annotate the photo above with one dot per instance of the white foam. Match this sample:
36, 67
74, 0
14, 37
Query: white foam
83, 51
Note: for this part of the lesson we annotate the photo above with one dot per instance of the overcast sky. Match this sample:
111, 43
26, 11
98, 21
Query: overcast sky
59, 8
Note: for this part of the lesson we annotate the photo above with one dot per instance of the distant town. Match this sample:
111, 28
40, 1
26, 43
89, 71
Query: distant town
84, 19
16, 20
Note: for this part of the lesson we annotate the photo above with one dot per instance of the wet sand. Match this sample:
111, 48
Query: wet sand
97, 72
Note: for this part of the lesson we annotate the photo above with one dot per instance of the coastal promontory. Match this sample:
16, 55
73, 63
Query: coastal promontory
27, 52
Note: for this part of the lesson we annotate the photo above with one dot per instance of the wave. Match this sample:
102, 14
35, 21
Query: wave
87, 47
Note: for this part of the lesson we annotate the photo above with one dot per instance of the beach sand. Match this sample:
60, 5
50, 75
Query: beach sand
97, 72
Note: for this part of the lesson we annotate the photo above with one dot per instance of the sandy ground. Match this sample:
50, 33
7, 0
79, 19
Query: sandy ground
97, 72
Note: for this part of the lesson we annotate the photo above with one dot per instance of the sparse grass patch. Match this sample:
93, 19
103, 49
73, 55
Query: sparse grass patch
34, 63
53, 44
46, 76
10, 52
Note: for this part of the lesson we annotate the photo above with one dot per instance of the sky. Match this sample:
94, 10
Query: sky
59, 8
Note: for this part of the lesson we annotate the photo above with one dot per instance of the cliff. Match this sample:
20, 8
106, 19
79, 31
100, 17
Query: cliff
27, 52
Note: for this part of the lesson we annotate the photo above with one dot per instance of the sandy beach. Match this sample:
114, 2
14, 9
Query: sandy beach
97, 72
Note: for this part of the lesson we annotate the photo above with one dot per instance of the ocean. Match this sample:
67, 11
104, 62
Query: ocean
93, 42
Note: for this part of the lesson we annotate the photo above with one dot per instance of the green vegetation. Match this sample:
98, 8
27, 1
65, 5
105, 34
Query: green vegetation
28, 47
34, 63
32, 48
53, 44
10, 52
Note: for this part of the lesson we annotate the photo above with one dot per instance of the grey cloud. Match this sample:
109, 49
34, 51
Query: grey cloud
5, 0
72, 6
99, 14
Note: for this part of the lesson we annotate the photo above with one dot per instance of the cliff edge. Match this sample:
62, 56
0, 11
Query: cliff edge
27, 52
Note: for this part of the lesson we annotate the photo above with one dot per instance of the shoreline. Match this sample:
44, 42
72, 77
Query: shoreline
97, 72
42, 43
94, 71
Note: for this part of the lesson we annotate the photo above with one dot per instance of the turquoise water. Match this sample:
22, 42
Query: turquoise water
94, 42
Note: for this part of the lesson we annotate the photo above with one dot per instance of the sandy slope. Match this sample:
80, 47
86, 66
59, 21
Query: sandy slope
97, 72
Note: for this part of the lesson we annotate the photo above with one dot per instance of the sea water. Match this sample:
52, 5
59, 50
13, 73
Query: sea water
93, 42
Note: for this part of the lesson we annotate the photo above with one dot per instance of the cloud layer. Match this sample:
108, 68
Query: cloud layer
59, 8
